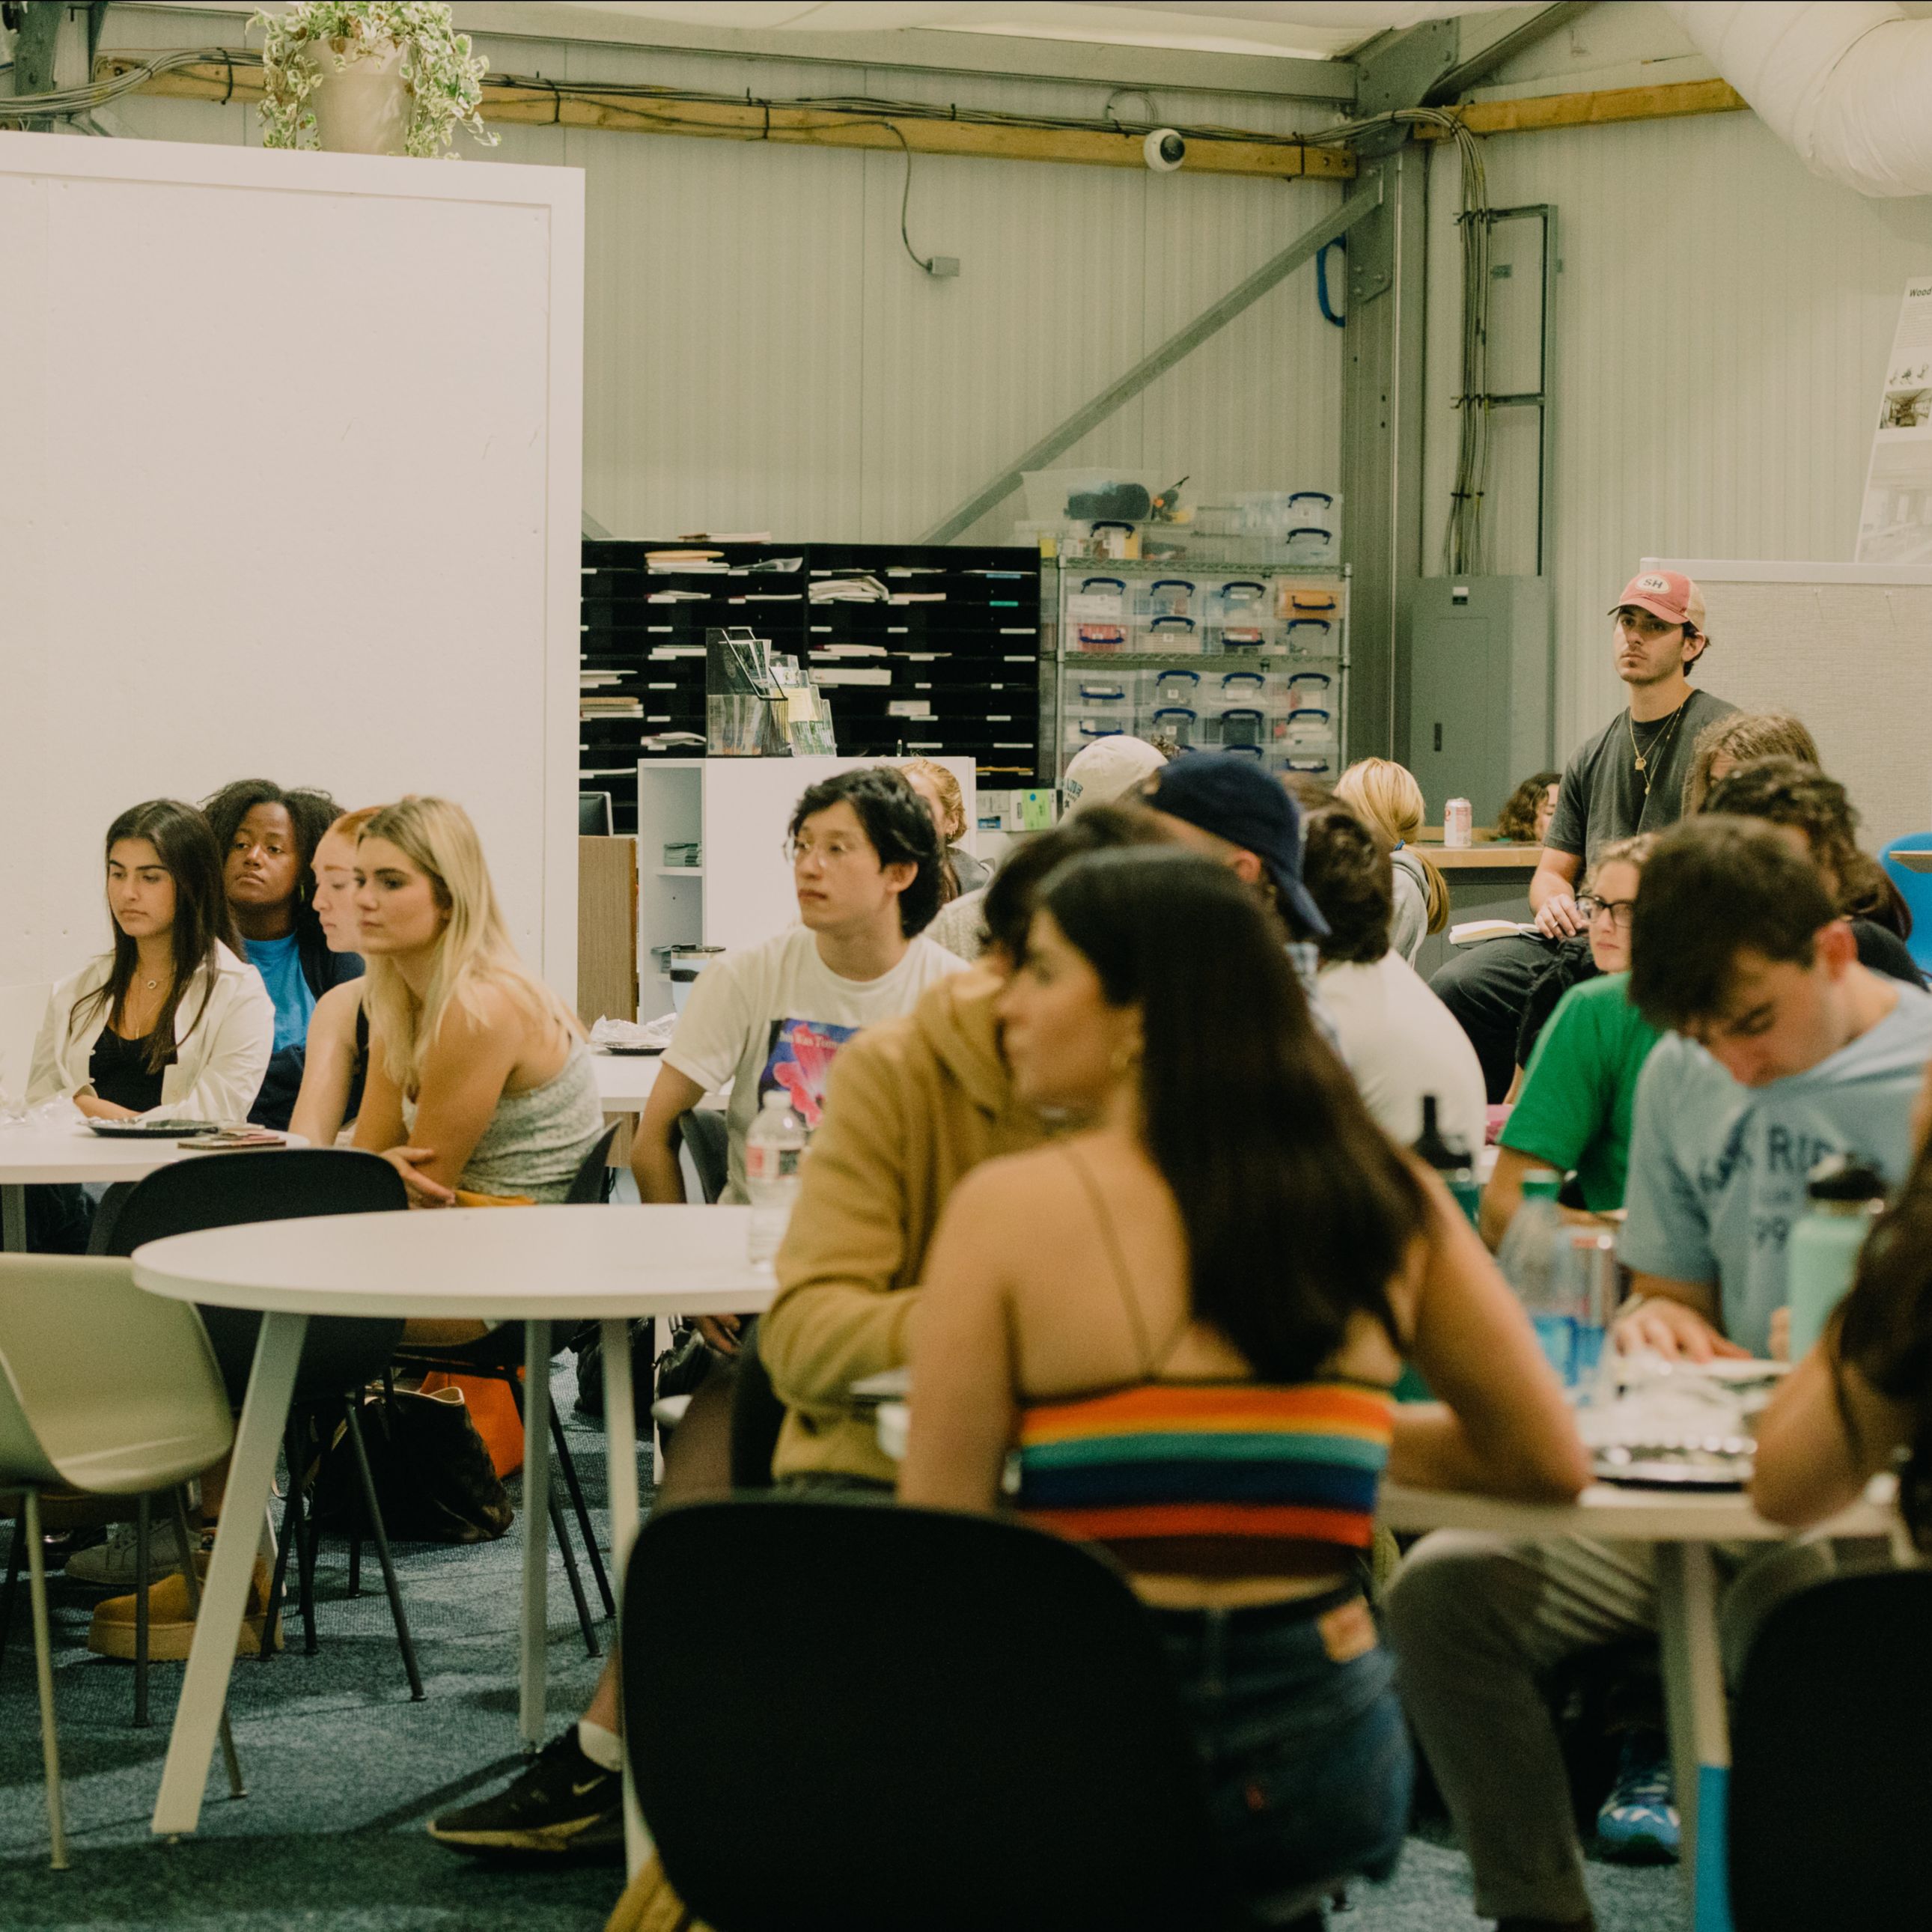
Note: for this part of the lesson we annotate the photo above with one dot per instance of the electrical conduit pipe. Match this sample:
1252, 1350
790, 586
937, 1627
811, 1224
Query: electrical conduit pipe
1845, 83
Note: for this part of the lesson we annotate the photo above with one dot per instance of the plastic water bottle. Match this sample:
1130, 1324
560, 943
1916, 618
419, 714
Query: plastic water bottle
1531, 1259
1846, 1195
1565, 1278
773, 1149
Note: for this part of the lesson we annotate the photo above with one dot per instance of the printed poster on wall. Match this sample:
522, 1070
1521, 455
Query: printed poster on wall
1895, 525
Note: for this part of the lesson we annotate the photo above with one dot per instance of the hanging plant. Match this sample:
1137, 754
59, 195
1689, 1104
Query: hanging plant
317, 39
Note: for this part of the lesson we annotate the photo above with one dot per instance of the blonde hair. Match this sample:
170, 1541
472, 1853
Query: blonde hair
951, 800
1386, 798
1634, 850
474, 950
1743, 736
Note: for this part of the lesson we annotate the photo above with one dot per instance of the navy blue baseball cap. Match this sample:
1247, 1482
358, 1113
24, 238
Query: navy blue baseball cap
1234, 799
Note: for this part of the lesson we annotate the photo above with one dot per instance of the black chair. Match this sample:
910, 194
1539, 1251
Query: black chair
498, 1357
706, 1135
928, 1720
1830, 1784
340, 1355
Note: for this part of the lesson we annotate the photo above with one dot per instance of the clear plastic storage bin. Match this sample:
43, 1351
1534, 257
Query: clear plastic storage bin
1171, 636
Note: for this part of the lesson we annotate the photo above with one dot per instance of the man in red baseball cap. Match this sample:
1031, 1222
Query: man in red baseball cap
1629, 778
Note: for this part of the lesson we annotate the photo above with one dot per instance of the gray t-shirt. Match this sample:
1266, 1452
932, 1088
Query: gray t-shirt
1603, 796
1717, 1171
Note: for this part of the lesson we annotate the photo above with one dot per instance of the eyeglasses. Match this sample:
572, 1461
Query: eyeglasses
1620, 911
831, 851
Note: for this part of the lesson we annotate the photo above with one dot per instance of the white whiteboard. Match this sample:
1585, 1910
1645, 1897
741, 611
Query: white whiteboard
1846, 647
290, 485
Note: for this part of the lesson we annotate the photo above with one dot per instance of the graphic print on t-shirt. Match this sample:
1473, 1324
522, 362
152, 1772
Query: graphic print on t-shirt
798, 1060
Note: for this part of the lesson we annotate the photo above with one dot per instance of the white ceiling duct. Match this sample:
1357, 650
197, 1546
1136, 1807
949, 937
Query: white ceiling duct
1845, 83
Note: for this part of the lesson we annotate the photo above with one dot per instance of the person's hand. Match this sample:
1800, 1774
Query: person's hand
102, 1110
721, 1331
425, 1190
1559, 918
1669, 1329
1781, 1335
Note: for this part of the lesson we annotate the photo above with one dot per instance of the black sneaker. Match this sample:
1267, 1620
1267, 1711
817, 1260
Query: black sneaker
563, 1806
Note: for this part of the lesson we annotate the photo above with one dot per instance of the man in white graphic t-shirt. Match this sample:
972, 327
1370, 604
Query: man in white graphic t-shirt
865, 866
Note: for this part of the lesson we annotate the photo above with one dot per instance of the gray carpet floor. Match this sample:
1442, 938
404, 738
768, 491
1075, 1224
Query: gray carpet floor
342, 1768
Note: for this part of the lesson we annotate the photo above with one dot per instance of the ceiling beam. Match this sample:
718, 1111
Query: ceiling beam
1538, 113
509, 98
995, 56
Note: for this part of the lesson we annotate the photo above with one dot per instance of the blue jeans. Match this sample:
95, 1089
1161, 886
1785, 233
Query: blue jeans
1307, 1758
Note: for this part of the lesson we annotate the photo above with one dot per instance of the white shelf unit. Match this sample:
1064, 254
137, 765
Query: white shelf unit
736, 810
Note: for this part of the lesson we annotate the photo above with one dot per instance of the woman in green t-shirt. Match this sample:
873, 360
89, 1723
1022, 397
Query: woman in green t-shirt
1573, 1111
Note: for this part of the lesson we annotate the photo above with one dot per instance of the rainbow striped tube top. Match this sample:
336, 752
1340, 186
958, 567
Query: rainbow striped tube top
1210, 1478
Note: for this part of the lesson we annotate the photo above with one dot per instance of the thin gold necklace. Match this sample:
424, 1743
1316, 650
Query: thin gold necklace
1657, 745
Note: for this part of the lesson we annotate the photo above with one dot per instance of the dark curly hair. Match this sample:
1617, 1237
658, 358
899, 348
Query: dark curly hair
1516, 821
899, 827
311, 812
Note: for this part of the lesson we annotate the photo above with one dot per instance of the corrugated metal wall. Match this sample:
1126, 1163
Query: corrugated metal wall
761, 355
1723, 318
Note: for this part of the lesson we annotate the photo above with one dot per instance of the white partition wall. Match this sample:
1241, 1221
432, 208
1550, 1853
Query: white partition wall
1848, 648
290, 480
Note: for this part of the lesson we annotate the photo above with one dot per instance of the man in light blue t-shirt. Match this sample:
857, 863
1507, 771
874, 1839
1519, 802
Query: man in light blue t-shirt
1783, 1049
1786, 1050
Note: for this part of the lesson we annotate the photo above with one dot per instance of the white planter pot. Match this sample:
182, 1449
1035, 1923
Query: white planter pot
365, 108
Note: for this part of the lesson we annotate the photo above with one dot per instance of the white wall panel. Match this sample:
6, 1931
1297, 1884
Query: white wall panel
761, 355
1723, 317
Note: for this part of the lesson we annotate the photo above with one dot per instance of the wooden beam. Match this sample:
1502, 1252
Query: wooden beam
1540, 112
531, 103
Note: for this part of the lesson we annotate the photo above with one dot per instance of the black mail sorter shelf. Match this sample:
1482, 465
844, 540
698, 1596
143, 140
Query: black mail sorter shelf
948, 661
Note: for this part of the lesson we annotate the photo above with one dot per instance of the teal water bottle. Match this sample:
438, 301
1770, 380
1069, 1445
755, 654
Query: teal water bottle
1846, 1195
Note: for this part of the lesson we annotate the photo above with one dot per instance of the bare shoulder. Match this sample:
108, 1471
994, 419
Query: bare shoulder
335, 1012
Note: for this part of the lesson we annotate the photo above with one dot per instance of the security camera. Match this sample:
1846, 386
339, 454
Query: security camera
1164, 150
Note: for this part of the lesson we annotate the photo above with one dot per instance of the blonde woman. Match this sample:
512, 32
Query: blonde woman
1742, 738
947, 804
336, 1063
479, 1081
1385, 796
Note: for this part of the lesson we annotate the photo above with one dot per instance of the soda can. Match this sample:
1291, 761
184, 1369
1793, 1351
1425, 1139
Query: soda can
1458, 822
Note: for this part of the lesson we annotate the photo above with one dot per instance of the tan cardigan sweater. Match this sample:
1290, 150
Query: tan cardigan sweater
913, 1104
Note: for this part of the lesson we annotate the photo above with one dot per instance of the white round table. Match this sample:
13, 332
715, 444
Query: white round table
34, 1155
1682, 1526
532, 1264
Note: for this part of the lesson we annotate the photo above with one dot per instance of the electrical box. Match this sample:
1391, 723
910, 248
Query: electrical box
1480, 688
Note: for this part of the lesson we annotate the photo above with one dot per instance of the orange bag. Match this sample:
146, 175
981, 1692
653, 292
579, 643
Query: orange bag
493, 1410
492, 1407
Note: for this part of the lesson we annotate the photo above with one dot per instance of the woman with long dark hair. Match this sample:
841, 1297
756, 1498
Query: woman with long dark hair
267, 837
172, 1021
1187, 1319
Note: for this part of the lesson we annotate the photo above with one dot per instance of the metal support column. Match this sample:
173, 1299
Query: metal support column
1381, 446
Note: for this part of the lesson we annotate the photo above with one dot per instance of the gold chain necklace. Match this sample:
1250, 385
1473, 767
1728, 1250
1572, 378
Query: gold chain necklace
1657, 745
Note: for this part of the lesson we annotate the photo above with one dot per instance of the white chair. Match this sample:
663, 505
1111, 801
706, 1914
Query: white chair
22, 1010
106, 1389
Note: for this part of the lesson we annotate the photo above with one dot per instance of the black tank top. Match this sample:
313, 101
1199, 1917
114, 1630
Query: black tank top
118, 1070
